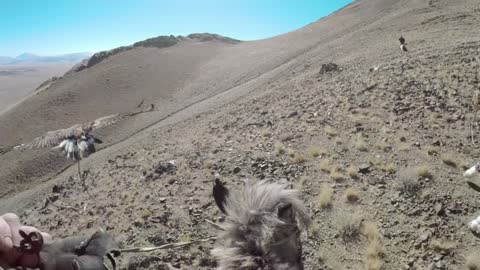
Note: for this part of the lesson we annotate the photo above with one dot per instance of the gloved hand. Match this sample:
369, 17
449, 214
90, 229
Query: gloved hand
73, 253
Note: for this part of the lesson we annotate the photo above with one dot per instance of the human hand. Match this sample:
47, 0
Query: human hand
10, 238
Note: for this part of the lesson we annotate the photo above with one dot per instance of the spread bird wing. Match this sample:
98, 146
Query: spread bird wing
52, 138
114, 118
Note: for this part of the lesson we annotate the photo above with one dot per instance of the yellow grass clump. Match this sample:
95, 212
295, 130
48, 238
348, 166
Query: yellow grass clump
336, 175
315, 151
325, 196
423, 171
352, 171
375, 247
325, 165
351, 195
360, 144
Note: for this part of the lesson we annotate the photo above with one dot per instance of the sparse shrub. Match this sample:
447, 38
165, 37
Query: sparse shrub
473, 261
280, 148
388, 167
299, 158
374, 161
146, 213
315, 151
360, 144
349, 226
336, 175
374, 263
325, 196
375, 248
352, 172
408, 181
448, 160
351, 195
331, 131
291, 152
440, 245
300, 182
325, 165
382, 146
423, 171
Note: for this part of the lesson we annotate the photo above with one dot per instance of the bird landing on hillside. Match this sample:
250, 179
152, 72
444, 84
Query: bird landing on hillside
403, 45
77, 142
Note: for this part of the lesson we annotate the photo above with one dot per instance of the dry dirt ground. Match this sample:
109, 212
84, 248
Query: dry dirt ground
377, 138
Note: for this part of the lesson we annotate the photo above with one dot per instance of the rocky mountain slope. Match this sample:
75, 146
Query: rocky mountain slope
377, 140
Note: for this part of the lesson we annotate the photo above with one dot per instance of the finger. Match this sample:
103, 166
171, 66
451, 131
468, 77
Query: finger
47, 238
14, 223
6, 241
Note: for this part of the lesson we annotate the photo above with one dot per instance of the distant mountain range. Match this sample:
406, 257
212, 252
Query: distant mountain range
33, 58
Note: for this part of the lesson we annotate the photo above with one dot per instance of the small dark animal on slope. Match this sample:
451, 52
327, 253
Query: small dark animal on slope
262, 229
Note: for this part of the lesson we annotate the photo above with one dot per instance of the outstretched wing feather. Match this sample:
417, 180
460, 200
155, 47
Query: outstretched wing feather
52, 138
114, 118
107, 120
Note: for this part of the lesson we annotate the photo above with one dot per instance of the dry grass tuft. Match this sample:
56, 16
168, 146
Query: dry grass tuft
299, 158
314, 151
280, 148
375, 248
440, 245
423, 171
448, 160
331, 131
349, 226
360, 144
336, 175
325, 196
382, 146
352, 172
299, 184
325, 165
290, 152
352, 195
387, 167
473, 261
408, 181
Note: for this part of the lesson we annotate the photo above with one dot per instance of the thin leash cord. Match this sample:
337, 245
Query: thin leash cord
117, 252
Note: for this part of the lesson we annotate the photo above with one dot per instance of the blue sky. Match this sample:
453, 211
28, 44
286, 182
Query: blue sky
50, 27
